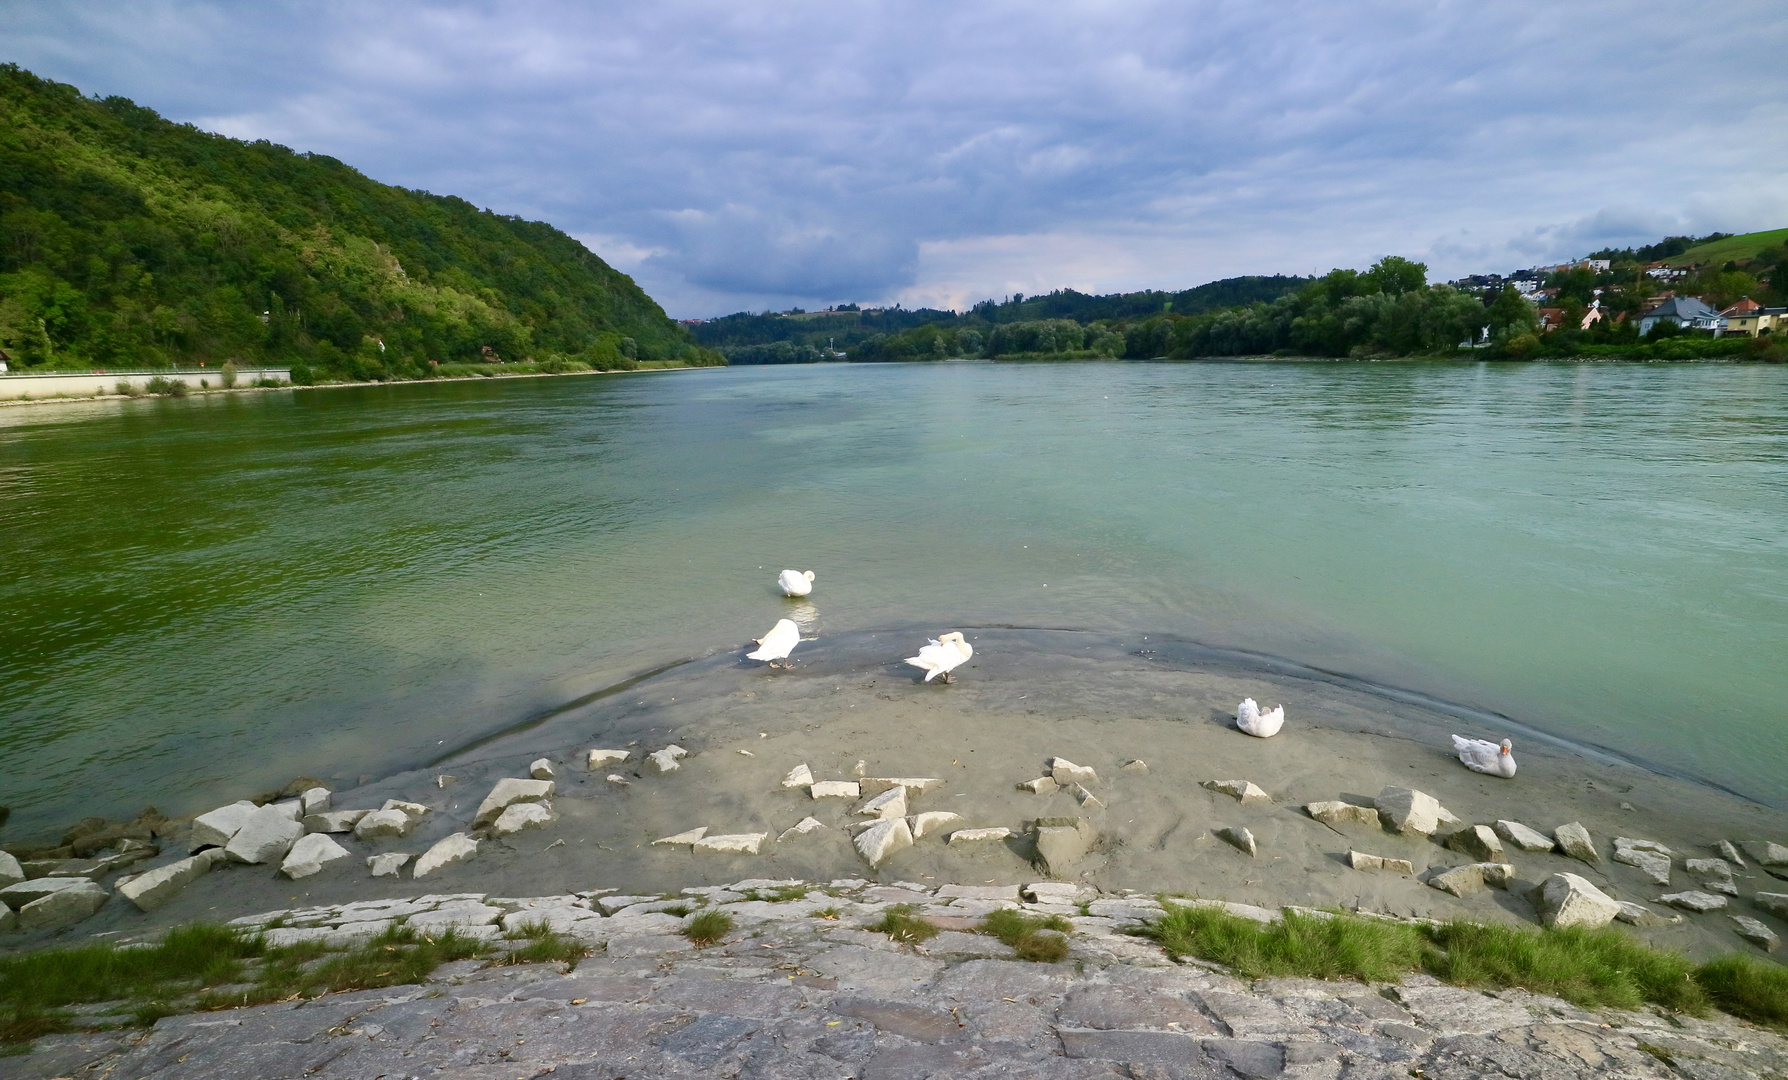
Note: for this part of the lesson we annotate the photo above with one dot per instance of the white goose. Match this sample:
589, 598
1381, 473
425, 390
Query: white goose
795, 582
1483, 756
778, 643
1261, 725
943, 655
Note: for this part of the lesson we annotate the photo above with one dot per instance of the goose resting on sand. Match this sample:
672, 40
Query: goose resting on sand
1486, 757
942, 655
795, 583
1261, 725
778, 643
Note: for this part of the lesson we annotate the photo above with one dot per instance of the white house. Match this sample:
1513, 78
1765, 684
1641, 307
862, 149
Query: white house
1687, 312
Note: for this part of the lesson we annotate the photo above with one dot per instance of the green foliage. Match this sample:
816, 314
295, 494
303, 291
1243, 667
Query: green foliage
902, 923
170, 387
33, 986
1747, 988
1591, 968
1040, 939
127, 240
1302, 945
709, 928
545, 945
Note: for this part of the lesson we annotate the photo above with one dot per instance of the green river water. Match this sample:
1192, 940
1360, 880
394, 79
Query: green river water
202, 598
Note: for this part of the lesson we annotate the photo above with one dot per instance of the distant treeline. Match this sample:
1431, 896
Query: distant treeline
740, 336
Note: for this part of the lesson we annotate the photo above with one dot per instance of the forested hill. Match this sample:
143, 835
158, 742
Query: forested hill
127, 240
799, 336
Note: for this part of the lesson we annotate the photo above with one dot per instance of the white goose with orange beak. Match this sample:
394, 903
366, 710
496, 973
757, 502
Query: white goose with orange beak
1479, 755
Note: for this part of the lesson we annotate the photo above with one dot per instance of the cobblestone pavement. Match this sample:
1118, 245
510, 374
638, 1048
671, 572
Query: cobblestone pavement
794, 993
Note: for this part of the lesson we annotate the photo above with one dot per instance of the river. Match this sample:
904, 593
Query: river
202, 598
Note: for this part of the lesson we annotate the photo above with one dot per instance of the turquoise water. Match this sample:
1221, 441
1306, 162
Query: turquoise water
205, 597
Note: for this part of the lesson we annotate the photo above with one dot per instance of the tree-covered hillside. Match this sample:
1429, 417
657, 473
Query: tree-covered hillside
127, 240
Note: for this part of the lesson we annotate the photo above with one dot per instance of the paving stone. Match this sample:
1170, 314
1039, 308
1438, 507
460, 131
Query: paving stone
921, 1023
1148, 1048
1110, 1007
859, 968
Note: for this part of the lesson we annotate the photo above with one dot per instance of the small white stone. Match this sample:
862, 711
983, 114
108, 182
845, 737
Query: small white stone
1574, 840
265, 835
617, 778
732, 844
799, 776
1245, 790
800, 828
1359, 860
311, 855
542, 769
931, 821
415, 811
666, 760
1523, 837
519, 816
388, 864
382, 823
971, 836
1335, 812
1694, 900
314, 801
1137, 766
216, 827
333, 821
508, 791
688, 837
834, 788
914, 785
889, 804
1565, 900
596, 759
1065, 772
883, 839
1042, 785
449, 850
1087, 798
1757, 933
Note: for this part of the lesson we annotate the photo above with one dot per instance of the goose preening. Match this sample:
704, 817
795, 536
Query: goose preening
1479, 755
795, 582
942, 655
778, 643
1261, 725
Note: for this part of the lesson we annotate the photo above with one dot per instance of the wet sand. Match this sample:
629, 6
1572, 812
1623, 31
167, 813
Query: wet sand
1027, 696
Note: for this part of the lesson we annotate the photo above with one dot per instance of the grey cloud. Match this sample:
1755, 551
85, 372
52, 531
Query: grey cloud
804, 152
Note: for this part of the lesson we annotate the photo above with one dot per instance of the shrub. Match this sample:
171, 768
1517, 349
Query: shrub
708, 928
161, 384
227, 374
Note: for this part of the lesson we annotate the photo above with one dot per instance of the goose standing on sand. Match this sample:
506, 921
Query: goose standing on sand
778, 643
942, 655
1261, 725
795, 582
1482, 756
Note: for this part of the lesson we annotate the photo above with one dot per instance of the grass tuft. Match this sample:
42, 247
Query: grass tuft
546, 947
900, 923
1337, 948
1039, 939
1747, 988
708, 928
1590, 968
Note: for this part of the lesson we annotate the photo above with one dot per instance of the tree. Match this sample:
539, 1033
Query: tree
1511, 315
1396, 275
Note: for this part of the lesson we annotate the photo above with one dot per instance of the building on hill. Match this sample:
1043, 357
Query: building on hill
1752, 319
1596, 313
1551, 318
1688, 312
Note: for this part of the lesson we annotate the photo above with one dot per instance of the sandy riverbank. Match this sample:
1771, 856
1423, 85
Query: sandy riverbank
1028, 696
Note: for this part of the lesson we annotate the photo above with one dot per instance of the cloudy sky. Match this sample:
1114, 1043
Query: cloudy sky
753, 155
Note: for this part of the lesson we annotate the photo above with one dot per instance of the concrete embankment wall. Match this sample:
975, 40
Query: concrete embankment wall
101, 383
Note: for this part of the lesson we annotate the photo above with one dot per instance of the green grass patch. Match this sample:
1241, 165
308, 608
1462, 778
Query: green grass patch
901, 923
778, 896
33, 986
1591, 968
1040, 939
1747, 988
708, 928
544, 946
1337, 948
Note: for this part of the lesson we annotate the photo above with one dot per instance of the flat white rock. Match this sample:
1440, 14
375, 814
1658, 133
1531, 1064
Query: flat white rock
732, 843
508, 791
542, 769
595, 760
314, 801
914, 785
266, 835
800, 828
688, 837
1065, 772
975, 836
799, 776
388, 864
1245, 790
835, 788
379, 823
931, 821
333, 821
889, 804
448, 850
1523, 837
883, 839
519, 816
311, 855
667, 759
214, 828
